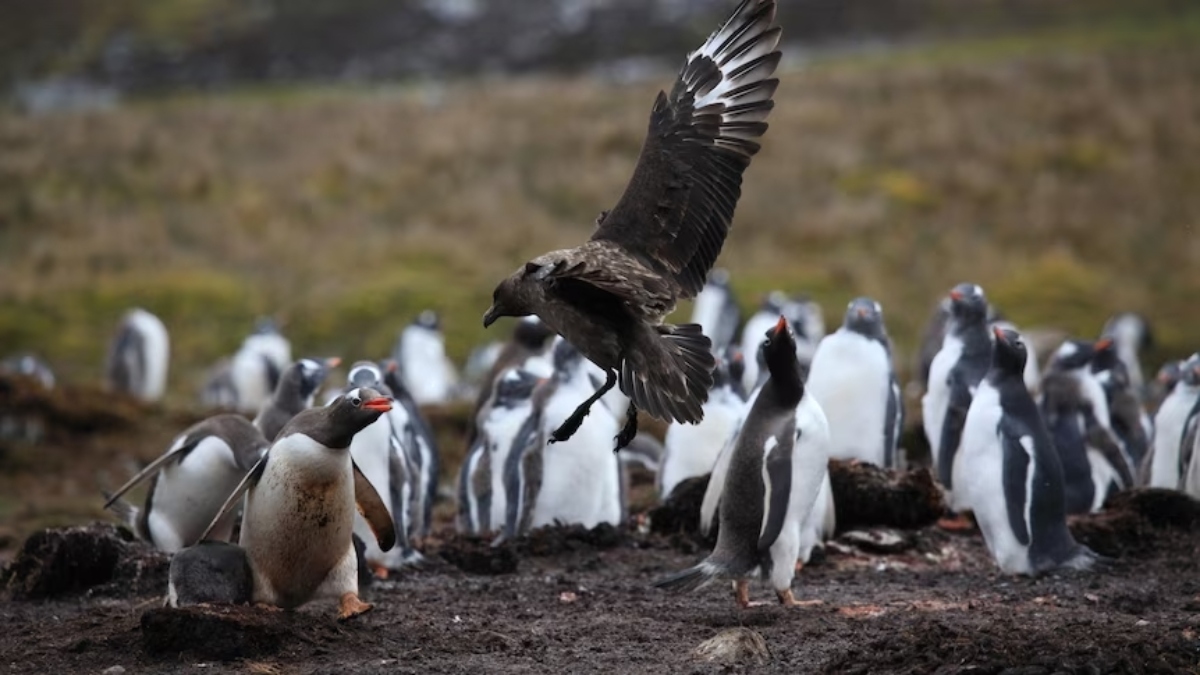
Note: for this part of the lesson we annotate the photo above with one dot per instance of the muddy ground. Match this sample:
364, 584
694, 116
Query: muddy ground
577, 601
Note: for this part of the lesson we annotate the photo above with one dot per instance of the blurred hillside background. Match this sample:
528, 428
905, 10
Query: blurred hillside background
344, 165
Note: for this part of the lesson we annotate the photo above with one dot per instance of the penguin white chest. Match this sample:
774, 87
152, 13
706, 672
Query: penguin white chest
937, 399
500, 430
580, 476
298, 520
692, 449
851, 378
187, 495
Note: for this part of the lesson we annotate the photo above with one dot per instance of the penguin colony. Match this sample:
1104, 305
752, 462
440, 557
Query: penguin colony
327, 494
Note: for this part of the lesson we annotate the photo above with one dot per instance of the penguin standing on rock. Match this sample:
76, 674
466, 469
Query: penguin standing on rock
853, 379
956, 371
138, 357
295, 392
298, 521
202, 466
774, 477
1009, 473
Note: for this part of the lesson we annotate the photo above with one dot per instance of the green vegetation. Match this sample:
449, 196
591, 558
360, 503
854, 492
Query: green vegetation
1062, 177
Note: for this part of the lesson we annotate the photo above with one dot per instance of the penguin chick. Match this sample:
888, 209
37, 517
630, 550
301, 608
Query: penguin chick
203, 464
692, 449
138, 356
298, 520
1010, 475
296, 389
774, 477
211, 572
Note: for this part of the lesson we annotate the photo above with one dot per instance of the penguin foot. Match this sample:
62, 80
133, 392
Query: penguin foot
788, 600
381, 571
742, 593
625, 437
799, 567
959, 523
351, 606
267, 607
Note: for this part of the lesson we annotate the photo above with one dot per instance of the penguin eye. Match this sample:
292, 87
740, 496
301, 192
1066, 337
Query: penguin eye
355, 401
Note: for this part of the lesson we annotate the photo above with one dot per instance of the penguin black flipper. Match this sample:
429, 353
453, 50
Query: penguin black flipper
1015, 479
181, 448
777, 479
893, 423
251, 478
528, 438
952, 428
1102, 440
398, 477
373, 510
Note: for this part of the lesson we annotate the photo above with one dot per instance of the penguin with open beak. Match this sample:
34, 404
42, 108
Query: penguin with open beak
298, 520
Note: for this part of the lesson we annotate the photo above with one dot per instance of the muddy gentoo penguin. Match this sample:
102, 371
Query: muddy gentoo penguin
138, 356
188, 482
420, 353
482, 506
1132, 426
1130, 332
716, 310
298, 521
1076, 413
962, 362
774, 476
609, 296
854, 380
1009, 474
1171, 425
692, 449
573, 481
295, 392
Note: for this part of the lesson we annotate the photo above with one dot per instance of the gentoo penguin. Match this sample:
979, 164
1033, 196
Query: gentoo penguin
1076, 413
482, 504
295, 392
30, 366
1164, 383
421, 355
424, 458
716, 310
692, 449
935, 335
854, 380
138, 356
298, 521
1032, 375
1132, 426
211, 572
807, 323
577, 480
1130, 332
189, 481
255, 369
380, 452
774, 477
1171, 425
962, 362
1009, 474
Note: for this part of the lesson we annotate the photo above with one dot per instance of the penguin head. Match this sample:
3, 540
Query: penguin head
968, 305
779, 352
428, 320
1108, 367
566, 358
1075, 355
532, 333
352, 412
1190, 373
513, 386
1168, 376
265, 325
365, 374
733, 361
864, 316
1009, 354
719, 277
313, 372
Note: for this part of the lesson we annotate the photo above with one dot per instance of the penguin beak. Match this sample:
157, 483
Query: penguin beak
333, 362
956, 295
490, 316
1103, 344
862, 312
381, 404
998, 333
781, 326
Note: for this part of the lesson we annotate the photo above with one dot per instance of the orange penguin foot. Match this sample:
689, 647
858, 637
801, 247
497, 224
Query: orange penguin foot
959, 523
742, 593
381, 571
351, 606
788, 600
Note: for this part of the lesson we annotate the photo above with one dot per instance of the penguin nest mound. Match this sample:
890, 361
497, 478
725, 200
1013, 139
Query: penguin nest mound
95, 560
1140, 523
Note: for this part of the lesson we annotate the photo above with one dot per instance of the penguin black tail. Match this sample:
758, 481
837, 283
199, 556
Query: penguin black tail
690, 579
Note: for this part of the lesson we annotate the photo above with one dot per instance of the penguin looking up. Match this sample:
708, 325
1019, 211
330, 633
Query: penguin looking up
1171, 425
854, 380
1132, 426
298, 521
1130, 332
295, 391
255, 369
775, 472
1076, 413
1009, 473
1032, 376
138, 356
716, 310
188, 482
426, 371
956, 371
692, 449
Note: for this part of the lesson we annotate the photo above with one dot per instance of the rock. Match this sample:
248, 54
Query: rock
115, 670
878, 540
733, 647
99, 559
